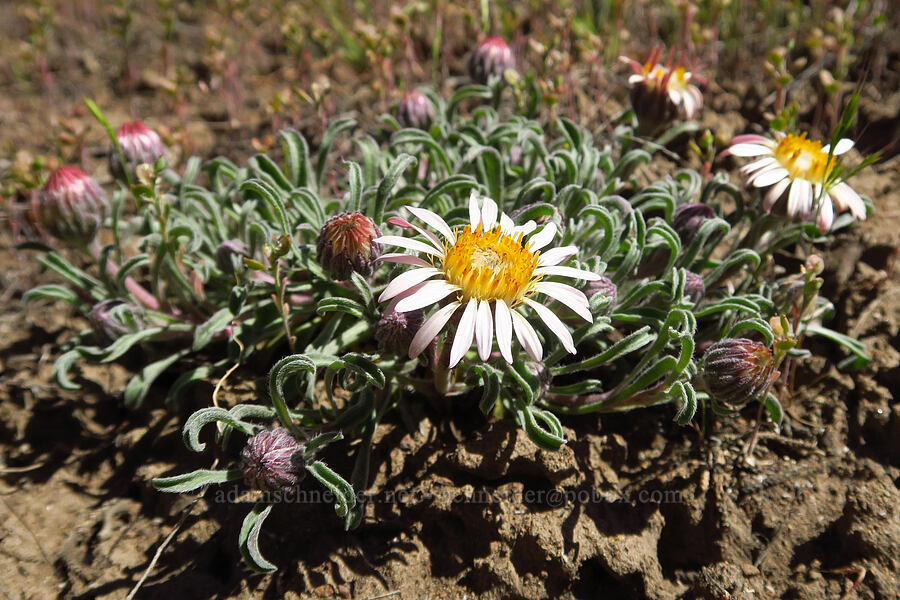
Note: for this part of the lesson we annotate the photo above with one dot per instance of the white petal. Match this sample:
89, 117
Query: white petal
484, 330
406, 280
527, 335
749, 150
554, 256
433, 291
427, 234
506, 224
675, 96
474, 212
504, 329
464, 333
826, 214
842, 146
433, 220
799, 198
525, 229
406, 259
409, 244
574, 299
758, 164
543, 237
430, 328
632, 79
568, 272
775, 193
751, 138
847, 198
488, 214
553, 322
769, 177
689, 106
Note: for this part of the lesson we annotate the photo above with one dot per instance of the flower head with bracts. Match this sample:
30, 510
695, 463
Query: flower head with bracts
804, 169
493, 268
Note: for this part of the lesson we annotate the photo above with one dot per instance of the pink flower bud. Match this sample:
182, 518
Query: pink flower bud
605, 287
415, 110
688, 218
111, 319
71, 206
347, 244
694, 288
139, 144
272, 460
737, 370
490, 60
395, 331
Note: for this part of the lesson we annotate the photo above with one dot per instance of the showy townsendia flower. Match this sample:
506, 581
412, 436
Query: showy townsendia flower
658, 87
494, 271
801, 167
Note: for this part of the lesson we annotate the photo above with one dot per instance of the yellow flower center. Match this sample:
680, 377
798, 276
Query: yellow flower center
490, 265
803, 158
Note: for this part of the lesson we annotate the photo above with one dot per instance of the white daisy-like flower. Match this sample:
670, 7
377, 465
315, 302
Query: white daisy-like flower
653, 82
801, 167
493, 271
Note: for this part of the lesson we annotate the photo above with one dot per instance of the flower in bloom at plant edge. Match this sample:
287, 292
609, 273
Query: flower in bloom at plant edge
272, 460
737, 370
793, 164
70, 206
139, 144
659, 91
490, 60
347, 243
415, 110
493, 271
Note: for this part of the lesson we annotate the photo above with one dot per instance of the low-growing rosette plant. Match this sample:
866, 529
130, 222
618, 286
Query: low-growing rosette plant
522, 266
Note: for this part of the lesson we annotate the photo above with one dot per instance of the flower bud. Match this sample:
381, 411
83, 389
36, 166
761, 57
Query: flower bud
688, 218
737, 371
139, 145
111, 319
230, 256
540, 370
490, 60
71, 206
606, 288
395, 331
347, 244
415, 110
272, 460
694, 288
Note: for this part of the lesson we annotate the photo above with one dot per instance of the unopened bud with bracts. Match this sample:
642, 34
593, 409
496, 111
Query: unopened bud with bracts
395, 331
688, 218
111, 319
737, 371
71, 206
139, 144
415, 110
606, 288
230, 256
273, 460
543, 374
347, 245
490, 60
694, 288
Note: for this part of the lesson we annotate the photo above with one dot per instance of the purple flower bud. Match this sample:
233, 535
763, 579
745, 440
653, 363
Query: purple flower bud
71, 206
347, 244
694, 288
139, 144
229, 256
606, 288
395, 331
490, 60
111, 319
272, 460
737, 371
688, 218
540, 370
415, 110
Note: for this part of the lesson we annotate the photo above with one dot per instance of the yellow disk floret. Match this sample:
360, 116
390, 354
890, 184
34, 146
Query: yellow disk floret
803, 158
491, 266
